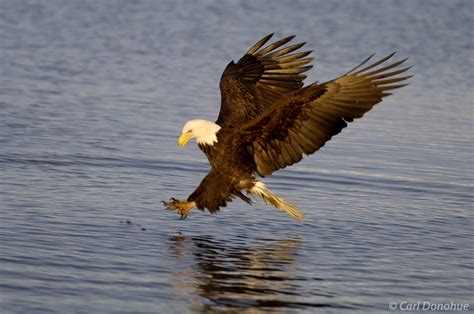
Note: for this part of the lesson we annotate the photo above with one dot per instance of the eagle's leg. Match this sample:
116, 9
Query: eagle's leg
183, 207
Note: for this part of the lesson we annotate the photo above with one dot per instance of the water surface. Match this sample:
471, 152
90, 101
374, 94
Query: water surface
93, 97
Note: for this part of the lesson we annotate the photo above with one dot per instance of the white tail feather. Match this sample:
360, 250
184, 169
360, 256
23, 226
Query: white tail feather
260, 190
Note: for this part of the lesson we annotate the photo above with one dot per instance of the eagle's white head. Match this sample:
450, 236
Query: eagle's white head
202, 130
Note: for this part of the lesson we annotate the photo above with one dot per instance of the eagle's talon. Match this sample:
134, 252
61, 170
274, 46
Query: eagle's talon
183, 207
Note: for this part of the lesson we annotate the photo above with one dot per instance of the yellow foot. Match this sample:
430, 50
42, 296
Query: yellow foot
183, 207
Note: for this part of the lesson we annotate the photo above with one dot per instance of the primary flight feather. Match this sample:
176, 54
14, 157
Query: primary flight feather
268, 120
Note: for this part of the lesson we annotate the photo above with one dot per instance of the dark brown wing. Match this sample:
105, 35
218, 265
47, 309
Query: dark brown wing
259, 79
302, 123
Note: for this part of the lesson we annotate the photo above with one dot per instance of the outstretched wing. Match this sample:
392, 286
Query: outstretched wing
304, 121
259, 79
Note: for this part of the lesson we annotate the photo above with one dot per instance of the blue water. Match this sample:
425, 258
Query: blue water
93, 97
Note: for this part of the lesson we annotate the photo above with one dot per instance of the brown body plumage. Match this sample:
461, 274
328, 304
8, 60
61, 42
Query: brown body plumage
268, 120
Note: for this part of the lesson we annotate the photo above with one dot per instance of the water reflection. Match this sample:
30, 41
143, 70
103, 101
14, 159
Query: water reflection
236, 276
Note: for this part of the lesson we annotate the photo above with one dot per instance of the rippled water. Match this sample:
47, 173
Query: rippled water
93, 97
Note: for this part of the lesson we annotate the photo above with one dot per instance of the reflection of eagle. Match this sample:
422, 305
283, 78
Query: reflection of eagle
241, 278
268, 120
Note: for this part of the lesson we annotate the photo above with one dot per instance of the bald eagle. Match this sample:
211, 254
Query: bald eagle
268, 120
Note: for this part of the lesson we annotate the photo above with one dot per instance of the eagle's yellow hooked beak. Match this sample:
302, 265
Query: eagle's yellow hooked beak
184, 138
